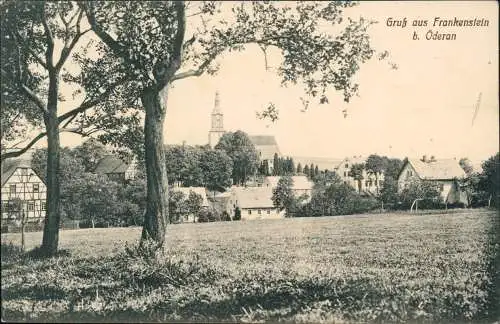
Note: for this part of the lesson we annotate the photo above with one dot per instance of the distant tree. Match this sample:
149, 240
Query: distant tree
237, 214
356, 172
264, 168
306, 170
276, 165
316, 171
389, 192
291, 166
490, 179
299, 168
311, 171
216, 169
428, 192
242, 152
90, 153
194, 203
176, 205
466, 165
283, 197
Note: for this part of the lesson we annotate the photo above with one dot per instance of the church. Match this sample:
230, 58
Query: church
265, 145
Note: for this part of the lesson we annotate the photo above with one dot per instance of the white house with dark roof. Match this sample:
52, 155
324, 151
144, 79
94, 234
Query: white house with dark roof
254, 203
444, 172
23, 191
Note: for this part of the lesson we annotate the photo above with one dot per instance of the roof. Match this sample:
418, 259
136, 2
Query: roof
111, 164
299, 182
254, 197
357, 159
10, 166
265, 145
321, 162
198, 190
443, 169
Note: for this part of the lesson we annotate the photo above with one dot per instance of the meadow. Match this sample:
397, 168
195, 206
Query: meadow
361, 268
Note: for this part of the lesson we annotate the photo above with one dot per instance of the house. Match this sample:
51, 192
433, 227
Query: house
254, 203
201, 191
116, 168
370, 183
23, 191
197, 190
301, 185
444, 172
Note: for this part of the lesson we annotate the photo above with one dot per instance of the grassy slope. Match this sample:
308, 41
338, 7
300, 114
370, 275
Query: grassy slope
371, 267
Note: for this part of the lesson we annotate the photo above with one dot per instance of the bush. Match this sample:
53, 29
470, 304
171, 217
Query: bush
237, 214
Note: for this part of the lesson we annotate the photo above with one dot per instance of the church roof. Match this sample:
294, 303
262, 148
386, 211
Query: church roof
265, 145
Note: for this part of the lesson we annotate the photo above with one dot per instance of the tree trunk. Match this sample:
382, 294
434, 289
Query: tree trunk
50, 239
156, 216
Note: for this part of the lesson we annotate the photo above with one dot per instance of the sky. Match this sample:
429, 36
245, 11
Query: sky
425, 107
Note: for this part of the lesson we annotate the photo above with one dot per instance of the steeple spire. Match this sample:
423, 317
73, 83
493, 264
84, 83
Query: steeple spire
217, 129
216, 104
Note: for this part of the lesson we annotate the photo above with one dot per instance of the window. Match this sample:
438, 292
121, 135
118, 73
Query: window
259, 211
268, 212
249, 212
12, 188
36, 187
24, 171
366, 183
441, 187
31, 205
44, 205
5, 206
347, 165
345, 173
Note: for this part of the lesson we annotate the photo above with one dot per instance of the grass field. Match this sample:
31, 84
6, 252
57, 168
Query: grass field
377, 268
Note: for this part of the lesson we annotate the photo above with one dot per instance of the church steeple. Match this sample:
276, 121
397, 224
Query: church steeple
217, 127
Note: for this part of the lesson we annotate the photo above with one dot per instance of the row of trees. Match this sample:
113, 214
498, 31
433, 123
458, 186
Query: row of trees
142, 49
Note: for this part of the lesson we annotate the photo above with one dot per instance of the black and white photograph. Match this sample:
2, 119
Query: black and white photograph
250, 161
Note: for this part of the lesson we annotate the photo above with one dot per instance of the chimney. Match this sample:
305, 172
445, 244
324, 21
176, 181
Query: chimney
433, 158
424, 158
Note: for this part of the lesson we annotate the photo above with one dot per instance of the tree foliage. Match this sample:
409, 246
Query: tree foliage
242, 152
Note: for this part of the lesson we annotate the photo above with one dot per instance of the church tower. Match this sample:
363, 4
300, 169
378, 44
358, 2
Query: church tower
217, 128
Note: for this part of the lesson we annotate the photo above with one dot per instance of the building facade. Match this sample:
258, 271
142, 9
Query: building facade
369, 182
443, 172
254, 203
23, 192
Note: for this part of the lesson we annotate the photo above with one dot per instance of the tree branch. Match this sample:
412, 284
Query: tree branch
162, 76
28, 92
68, 48
14, 154
49, 38
197, 72
90, 103
29, 49
88, 7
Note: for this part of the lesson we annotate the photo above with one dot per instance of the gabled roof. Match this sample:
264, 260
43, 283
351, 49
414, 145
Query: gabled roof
111, 164
254, 197
299, 182
265, 145
357, 159
11, 165
443, 169
198, 190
